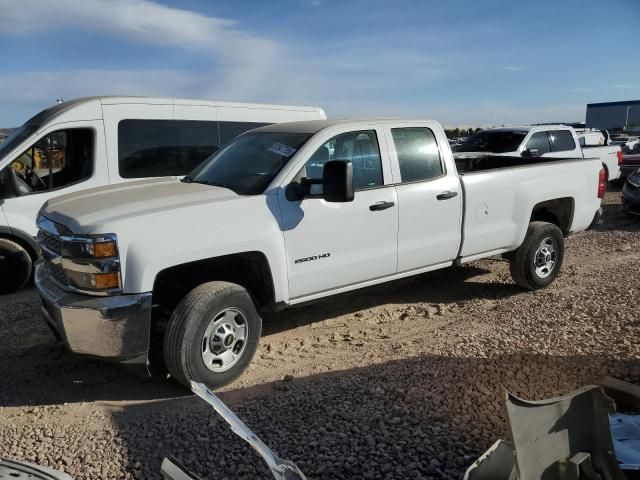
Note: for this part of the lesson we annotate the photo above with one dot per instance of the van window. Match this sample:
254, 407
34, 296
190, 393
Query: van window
160, 148
57, 160
230, 130
562, 140
539, 141
418, 154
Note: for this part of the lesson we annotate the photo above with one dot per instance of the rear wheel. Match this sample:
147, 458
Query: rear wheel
15, 266
537, 261
212, 335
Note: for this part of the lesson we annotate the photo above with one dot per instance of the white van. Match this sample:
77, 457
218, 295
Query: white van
97, 141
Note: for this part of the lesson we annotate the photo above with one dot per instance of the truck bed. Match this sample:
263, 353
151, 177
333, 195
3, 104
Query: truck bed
500, 191
478, 163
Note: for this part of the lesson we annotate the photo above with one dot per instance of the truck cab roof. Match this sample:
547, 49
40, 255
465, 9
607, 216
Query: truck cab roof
314, 126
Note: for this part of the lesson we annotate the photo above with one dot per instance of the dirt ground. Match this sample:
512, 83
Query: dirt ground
400, 380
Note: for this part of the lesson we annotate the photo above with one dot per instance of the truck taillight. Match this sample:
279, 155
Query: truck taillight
602, 183
619, 154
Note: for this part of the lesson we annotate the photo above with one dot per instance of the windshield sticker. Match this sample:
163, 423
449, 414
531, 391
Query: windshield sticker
284, 150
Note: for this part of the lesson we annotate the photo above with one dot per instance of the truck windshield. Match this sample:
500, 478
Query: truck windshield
249, 163
493, 142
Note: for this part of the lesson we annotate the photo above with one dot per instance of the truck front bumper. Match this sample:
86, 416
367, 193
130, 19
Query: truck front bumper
115, 328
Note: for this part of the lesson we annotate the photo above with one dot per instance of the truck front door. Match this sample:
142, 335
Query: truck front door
334, 245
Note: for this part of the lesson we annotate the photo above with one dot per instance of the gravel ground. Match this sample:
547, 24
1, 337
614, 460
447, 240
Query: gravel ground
400, 380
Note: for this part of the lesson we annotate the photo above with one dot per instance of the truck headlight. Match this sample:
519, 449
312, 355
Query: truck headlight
91, 263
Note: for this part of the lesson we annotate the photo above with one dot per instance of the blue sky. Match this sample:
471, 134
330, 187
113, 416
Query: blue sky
459, 62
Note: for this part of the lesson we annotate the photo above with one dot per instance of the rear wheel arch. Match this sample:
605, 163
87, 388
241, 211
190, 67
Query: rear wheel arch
558, 211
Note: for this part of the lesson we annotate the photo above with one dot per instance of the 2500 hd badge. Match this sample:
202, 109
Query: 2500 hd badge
315, 257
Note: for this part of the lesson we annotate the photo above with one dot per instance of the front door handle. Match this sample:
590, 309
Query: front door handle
380, 206
446, 195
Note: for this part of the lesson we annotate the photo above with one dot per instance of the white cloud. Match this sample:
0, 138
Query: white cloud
141, 21
513, 68
238, 61
626, 85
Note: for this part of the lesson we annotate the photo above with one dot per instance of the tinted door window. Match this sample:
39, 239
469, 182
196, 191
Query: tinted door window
158, 148
497, 141
56, 161
562, 140
230, 130
539, 141
361, 148
418, 154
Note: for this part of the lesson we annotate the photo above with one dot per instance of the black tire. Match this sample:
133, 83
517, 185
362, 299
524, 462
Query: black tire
15, 266
523, 263
184, 337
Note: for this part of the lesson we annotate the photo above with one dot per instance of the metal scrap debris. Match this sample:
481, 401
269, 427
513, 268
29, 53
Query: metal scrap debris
13, 469
561, 438
497, 463
280, 468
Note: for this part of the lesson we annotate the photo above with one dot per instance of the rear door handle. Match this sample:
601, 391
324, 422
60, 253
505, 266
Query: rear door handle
381, 206
446, 195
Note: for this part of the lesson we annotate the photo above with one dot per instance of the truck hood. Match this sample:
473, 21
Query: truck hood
87, 209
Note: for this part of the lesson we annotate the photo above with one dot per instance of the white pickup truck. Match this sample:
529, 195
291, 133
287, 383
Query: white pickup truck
545, 141
285, 214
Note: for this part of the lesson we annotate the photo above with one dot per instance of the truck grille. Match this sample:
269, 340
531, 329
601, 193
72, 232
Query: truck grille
49, 242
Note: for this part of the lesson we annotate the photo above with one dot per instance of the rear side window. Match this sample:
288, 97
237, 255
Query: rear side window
158, 148
562, 140
418, 154
539, 141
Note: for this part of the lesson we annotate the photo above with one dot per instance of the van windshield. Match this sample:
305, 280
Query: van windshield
493, 142
249, 163
17, 136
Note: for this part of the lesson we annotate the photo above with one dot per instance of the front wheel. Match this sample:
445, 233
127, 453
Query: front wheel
537, 261
15, 266
212, 335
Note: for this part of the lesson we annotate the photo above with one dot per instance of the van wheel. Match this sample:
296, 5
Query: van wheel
537, 261
15, 266
212, 335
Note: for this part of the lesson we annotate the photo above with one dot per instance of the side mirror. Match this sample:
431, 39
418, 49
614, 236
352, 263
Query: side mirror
531, 152
337, 181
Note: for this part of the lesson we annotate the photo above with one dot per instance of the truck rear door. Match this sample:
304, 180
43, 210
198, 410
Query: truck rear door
429, 195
